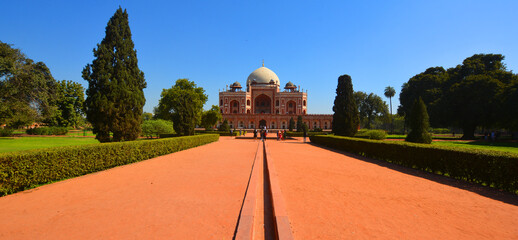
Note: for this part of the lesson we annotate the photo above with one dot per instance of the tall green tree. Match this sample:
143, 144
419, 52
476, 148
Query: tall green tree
419, 124
470, 95
474, 93
389, 93
291, 125
430, 86
509, 99
224, 127
299, 124
346, 117
370, 107
147, 116
115, 95
183, 104
27, 89
210, 117
69, 103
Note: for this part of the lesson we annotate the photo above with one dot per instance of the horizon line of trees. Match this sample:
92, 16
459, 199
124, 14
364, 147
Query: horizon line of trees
480, 92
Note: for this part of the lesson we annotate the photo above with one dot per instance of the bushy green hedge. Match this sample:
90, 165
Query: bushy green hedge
371, 134
47, 131
491, 168
301, 134
5, 132
221, 133
440, 130
23, 170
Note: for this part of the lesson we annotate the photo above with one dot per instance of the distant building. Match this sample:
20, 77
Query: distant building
263, 104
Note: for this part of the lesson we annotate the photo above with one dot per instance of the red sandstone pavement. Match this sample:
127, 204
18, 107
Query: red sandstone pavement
330, 195
192, 194
197, 194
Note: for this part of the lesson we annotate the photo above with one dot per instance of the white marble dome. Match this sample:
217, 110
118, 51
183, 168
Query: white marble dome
262, 75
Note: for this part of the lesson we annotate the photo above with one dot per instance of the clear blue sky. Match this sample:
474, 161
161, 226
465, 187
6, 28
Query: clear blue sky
310, 43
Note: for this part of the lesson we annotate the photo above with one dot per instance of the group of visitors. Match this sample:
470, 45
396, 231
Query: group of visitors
491, 136
263, 133
281, 135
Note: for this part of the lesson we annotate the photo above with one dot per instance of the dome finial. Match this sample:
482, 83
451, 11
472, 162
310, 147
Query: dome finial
263, 62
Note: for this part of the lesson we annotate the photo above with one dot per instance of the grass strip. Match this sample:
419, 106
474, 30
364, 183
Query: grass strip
24, 170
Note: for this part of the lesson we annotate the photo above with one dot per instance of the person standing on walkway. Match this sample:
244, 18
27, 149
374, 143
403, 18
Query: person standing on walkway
305, 134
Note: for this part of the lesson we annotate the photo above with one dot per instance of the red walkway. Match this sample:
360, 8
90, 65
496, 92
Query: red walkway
192, 194
198, 194
333, 196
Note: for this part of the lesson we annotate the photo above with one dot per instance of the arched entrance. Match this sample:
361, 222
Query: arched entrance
291, 107
234, 106
263, 104
262, 123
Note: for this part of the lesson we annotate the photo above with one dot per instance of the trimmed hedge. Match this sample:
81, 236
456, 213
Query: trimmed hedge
24, 170
371, 134
441, 130
301, 134
221, 133
5, 132
47, 131
490, 168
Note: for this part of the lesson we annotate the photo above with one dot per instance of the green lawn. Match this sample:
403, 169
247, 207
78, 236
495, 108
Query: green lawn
497, 146
27, 143
79, 133
434, 136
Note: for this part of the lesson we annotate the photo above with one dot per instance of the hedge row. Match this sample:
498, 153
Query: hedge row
23, 170
371, 134
221, 133
301, 134
47, 131
490, 168
5, 132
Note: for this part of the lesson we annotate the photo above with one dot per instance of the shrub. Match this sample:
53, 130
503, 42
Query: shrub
47, 131
157, 128
491, 168
5, 132
316, 130
419, 123
372, 134
224, 127
441, 130
24, 170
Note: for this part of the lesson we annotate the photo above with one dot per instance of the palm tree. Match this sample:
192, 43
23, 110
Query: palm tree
390, 92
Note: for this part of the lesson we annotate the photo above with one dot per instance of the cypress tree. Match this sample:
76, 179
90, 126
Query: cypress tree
224, 126
115, 95
299, 124
291, 125
346, 117
419, 123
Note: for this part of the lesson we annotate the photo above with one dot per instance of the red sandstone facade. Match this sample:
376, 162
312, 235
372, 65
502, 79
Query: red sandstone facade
263, 104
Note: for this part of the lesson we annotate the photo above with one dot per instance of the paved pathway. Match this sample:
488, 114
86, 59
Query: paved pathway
192, 194
198, 194
330, 195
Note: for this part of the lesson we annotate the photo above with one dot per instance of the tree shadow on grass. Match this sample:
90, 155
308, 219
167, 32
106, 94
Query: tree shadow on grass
495, 144
488, 192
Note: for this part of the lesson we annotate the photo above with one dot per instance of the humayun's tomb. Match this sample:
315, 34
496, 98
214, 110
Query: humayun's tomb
263, 104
